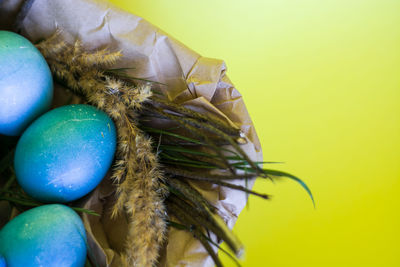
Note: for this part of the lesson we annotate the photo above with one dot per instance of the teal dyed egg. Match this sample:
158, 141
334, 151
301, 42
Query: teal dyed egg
26, 85
49, 235
65, 153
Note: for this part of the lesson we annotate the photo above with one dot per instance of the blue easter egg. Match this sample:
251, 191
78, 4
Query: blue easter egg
65, 153
2, 261
26, 85
49, 235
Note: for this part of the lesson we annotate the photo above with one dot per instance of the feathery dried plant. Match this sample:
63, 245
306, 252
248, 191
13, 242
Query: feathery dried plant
136, 170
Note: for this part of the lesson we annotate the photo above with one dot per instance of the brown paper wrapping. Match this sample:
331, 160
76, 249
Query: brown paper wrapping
198, 82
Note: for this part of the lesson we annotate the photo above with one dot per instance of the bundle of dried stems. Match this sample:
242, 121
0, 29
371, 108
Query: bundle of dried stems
151, 178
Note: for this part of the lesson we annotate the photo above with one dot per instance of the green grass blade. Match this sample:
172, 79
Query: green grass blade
154, 130
22, 202
187, 150
183, 227
90, 212
188, 164
182, 159
290, 176
121, 72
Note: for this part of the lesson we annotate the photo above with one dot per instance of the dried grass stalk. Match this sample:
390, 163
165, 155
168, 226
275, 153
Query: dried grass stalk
136, 171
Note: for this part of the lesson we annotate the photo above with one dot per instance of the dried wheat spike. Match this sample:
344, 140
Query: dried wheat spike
136, 171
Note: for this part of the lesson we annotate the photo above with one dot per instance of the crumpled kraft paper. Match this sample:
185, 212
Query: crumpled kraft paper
195, 81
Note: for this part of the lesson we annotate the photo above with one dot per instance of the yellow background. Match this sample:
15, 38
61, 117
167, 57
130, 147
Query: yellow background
321, 82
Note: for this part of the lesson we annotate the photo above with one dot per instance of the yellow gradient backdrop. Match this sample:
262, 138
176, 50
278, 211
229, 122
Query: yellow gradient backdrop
321, 80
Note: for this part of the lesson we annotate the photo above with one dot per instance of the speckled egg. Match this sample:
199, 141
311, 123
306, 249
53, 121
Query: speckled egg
50, 235
65, 153
26, 85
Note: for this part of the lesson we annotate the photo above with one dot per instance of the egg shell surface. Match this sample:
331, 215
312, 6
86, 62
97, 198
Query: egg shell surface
48, 235
65, 153
26, 84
